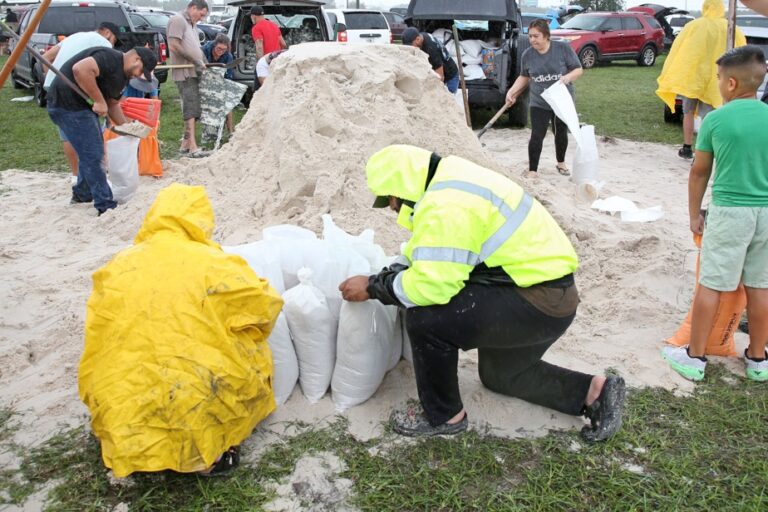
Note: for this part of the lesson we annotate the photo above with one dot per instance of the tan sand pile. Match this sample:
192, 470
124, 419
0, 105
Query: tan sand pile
299, 153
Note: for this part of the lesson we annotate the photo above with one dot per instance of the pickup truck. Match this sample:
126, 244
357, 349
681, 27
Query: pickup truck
63, 19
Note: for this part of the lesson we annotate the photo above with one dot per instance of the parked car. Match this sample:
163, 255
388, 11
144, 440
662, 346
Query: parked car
660, 13
396, 25
287, 14
495, 22
678, 21
360, 26
555, 16
607, 36
64, 19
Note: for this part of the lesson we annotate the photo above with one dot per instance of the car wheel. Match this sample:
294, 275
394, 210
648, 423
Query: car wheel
588, 57
40, 95
647, 56
16, 84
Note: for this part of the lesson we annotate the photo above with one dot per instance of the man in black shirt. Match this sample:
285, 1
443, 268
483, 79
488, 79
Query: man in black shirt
102, 74
439, 58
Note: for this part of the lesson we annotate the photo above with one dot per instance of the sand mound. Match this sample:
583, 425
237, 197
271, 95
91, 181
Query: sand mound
299, 153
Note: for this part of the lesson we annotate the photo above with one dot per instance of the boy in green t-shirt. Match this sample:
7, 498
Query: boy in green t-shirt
735, 243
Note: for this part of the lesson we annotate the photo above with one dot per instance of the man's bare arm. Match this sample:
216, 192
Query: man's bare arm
85, 73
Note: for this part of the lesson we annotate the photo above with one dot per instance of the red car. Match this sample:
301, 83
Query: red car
605, 36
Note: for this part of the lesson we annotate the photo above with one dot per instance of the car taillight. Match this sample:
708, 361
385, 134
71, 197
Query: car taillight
342, 37
163, 49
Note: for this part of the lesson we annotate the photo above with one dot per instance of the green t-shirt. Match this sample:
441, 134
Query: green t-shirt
737, 133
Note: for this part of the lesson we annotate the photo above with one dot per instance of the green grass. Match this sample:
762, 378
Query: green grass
701, 452
619, 100
30, 140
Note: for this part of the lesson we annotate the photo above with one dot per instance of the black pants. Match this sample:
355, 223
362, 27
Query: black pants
540, 121
511, 336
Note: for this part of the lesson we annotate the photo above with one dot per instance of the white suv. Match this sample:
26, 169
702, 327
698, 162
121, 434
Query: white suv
359, 26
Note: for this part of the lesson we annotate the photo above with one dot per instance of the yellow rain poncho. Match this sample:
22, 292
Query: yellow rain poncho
690, 68
176, 367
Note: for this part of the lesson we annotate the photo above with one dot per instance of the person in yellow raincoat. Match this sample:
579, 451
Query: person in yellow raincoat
176, 370
690, 70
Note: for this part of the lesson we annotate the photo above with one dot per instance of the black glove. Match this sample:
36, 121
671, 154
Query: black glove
380, 286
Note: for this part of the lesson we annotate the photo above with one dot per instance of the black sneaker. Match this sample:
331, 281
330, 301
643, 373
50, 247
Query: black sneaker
412, 422
685, 152
75, 200
605, 413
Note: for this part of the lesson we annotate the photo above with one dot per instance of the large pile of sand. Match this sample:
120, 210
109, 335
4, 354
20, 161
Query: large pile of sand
299, 153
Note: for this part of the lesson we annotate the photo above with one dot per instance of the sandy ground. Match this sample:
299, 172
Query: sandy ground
635, 280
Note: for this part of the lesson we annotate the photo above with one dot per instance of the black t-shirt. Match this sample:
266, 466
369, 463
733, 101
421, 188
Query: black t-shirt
111, 80
439, 56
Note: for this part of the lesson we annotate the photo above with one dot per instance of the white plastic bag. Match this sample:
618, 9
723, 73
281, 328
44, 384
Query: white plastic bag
123, 164
314, 335
285, 371
365, 346
264, 258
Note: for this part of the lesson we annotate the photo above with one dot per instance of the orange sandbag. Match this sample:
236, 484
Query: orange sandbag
146, 110
732, 304
149, 156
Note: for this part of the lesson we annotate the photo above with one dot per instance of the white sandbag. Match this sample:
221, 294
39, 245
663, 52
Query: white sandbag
264, 258
365, 346
295, 245
407, 351
362, 244
285, 371
330, 266
443, 35
314, 332
123, 164
586, 161
474, 72
472, 47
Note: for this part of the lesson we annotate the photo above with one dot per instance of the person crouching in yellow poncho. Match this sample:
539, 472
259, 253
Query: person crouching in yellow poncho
690, 70
176, 370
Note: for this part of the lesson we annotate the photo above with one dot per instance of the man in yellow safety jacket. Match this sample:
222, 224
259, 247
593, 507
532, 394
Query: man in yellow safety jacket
489, 268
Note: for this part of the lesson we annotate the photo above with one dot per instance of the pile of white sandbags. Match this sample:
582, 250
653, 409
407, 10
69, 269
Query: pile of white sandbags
319, 339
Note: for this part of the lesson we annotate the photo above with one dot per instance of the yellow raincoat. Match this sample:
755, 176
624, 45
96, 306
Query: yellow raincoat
176, 367
690, 68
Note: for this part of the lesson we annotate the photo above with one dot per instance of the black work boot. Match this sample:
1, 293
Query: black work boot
685, 152
605, 413
412, 422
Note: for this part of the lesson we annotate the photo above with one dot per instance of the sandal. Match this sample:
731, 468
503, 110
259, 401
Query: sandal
199, 153
228, 461
412, 422
563, 169
605, 412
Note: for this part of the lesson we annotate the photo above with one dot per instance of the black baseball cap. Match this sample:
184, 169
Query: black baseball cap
409, 35
112, 28
149, 59
381, 202
257, 10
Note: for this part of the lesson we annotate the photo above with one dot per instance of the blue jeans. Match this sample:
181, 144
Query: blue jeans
453, 84
82, 129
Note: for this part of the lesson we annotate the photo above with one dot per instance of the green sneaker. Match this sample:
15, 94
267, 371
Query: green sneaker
692, 368
756, 370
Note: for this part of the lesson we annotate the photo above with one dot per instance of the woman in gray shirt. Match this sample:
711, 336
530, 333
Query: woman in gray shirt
543, 64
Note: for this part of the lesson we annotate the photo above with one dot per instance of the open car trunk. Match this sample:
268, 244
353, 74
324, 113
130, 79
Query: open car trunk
491, 40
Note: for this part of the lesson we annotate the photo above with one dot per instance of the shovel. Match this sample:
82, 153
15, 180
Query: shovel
231, 65
493, 120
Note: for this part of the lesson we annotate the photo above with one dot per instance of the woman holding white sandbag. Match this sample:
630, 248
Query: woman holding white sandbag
543, 64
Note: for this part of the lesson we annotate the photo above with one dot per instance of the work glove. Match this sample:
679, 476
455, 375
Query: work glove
199, 67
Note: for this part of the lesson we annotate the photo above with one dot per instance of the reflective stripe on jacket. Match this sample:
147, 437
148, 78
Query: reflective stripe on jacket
467, 216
